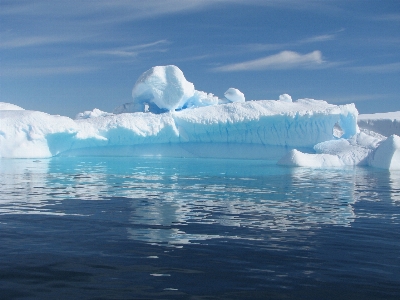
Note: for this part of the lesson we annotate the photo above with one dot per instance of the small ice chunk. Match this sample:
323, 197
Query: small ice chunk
296, 158
234, 95
285, 98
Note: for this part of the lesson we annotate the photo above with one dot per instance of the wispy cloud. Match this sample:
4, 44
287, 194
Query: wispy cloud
318, 38
44, 71
133, 51
382, 68
138, 9
29, 41
282, 60
259, 47
387, 17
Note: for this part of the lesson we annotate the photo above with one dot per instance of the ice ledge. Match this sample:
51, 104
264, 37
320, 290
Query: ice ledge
386, 155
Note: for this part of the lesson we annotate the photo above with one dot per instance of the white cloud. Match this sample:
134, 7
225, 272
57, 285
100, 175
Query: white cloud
282, 60
383, 68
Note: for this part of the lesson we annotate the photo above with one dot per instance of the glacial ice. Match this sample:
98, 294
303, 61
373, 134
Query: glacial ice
169, 117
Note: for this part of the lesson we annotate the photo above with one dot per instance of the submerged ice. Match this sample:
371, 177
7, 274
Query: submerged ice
169, 117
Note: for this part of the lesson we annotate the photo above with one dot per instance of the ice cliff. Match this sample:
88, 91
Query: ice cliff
169, 117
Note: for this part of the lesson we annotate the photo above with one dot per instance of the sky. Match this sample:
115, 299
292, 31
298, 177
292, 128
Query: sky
65, 57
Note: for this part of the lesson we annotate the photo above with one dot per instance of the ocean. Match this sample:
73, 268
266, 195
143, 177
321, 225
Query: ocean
187, 228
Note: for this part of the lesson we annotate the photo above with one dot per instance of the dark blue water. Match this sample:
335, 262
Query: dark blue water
160, 228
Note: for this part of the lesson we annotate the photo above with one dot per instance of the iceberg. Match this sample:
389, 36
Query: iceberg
264, 123
383, 123
169, 117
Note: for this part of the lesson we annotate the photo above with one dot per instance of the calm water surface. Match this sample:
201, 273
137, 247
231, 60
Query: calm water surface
161, 228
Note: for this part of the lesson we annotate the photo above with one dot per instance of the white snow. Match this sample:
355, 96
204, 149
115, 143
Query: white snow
184, 122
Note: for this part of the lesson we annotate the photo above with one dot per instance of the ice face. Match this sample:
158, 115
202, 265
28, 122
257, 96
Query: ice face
266, 122
387, 155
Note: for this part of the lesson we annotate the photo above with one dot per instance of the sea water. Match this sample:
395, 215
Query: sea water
187, 228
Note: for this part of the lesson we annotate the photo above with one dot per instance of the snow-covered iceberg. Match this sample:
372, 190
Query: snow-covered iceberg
274, 123
169, 117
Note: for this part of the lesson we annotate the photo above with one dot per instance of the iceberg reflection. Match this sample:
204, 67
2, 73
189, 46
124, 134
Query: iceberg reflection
181, 201
395, 186
300, 199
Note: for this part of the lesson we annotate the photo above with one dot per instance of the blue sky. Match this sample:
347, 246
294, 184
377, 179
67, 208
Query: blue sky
64, 57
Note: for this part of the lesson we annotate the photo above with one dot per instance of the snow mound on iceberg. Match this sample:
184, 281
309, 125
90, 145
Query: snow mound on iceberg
165, 88
92, 114
9, 106
285, 98
234, 95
